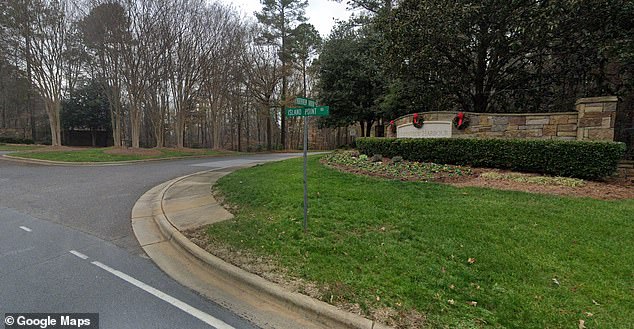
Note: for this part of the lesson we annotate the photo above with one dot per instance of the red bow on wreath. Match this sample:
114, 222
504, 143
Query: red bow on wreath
460, 118
417, 122
461, 121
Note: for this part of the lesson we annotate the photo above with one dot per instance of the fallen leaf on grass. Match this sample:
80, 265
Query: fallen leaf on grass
471, 260
588, 314
582, 324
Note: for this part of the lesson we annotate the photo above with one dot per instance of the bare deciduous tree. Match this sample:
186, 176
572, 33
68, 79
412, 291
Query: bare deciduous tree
44, 48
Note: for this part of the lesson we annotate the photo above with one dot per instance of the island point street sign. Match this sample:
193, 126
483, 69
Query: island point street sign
319, 111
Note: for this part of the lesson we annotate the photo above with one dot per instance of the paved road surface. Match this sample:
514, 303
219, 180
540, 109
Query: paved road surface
66, 245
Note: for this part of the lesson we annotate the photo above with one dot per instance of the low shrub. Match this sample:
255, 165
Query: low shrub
13, 140
539, 180
376, 158
399, 169
397, 159
586, 160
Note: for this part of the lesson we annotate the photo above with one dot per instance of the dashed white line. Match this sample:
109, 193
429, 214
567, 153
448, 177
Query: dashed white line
78, 254
204, 317
26, 228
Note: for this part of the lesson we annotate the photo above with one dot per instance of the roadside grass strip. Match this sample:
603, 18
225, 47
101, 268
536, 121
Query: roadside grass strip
101, 155
461, 257
18, 147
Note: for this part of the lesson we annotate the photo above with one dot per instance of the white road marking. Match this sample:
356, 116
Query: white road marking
78, 254
204, 317
26, 228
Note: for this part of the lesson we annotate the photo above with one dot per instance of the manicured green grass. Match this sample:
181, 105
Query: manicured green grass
540, 261
14, 147
99, 155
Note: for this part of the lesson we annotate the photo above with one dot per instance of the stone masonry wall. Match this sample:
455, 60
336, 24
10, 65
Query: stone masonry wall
596, 118
593, 120
626, 169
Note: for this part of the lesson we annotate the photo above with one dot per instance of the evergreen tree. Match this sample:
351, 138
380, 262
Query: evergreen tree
280, 19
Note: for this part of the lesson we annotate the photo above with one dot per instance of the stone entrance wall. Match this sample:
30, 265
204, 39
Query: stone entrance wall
592, 120
626, 169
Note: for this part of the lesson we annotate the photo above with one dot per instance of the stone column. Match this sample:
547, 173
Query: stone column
596, 118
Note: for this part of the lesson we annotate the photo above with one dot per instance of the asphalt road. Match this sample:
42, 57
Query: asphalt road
66, 245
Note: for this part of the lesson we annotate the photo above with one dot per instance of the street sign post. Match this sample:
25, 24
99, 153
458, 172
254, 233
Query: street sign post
307, 109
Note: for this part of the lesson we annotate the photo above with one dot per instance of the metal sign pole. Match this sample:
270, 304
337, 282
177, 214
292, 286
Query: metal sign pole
305, 175
307, 109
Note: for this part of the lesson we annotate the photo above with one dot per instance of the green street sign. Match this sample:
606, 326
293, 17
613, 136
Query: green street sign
319, 111
295, 112
305, 102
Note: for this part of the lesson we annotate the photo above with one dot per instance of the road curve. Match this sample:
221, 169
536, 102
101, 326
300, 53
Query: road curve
66, 245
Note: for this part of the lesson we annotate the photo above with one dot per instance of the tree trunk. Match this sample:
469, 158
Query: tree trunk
93, 137
179, 129
246, 126
239, 133
368, 130
283, 132
269, 132
135, 125
52, 109
115, 117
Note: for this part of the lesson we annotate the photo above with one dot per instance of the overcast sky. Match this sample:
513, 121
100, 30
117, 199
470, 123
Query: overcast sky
320, 13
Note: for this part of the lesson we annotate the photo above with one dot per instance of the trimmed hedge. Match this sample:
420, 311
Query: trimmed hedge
587, 160
11, 140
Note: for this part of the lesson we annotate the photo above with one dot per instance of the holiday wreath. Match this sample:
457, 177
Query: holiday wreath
418, 120
392, 126
460, 121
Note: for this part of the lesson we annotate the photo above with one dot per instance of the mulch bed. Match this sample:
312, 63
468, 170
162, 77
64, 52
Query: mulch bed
613, 189
610, 189
134, 151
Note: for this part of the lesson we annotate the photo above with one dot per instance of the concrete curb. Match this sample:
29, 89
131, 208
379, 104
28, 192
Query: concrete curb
311, 309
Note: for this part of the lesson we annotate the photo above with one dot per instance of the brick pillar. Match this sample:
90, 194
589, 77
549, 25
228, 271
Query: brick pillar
596, 118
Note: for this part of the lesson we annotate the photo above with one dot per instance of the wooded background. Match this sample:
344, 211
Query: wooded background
194, 73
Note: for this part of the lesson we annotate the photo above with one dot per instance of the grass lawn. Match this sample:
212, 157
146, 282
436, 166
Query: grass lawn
14, 147
101, 155
463, 257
